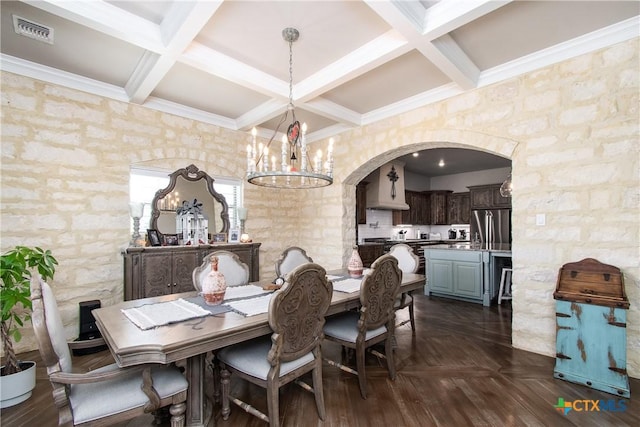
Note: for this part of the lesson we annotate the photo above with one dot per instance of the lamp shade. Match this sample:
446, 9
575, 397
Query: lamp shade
242, 214
136, 209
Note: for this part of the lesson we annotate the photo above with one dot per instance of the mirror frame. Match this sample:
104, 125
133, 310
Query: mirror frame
193, 174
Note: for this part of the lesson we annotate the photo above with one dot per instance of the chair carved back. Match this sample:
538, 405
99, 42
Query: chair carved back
408, 261
234, 270
52, 343
378, 293
292, 257
297, 313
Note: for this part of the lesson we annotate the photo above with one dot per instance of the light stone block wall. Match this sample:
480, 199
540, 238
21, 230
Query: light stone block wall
571, 130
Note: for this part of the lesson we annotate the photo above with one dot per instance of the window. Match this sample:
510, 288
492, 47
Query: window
144, 183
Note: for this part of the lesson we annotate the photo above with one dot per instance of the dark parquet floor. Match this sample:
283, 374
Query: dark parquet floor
459, 369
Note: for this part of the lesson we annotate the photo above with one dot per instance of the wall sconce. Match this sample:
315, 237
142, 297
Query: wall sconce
136, 210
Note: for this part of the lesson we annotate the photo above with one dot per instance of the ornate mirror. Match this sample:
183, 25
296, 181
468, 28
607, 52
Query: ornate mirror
186, 185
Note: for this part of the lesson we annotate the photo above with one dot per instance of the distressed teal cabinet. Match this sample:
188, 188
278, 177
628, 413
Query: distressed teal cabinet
591, 320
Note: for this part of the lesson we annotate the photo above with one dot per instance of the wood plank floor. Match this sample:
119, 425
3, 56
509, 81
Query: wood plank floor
458, 370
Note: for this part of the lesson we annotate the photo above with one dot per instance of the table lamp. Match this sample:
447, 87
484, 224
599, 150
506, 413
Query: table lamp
136, 210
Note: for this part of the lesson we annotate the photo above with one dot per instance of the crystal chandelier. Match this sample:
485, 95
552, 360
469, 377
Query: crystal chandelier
296, 169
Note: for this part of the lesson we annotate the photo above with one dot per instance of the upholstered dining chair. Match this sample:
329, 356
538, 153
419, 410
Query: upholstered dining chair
106, 395
290, 258
235, 271
296, 316
373, 323
408, 262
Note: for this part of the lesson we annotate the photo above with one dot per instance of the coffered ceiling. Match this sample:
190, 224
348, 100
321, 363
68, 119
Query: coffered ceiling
356, 62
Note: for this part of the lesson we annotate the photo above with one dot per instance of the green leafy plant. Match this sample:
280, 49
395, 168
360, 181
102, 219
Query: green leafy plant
16, 267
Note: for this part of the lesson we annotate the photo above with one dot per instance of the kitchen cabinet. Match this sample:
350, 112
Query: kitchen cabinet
361, 203
459, 208
458, 274
370, 252
488, 197
418, 213
438, 206
155, 271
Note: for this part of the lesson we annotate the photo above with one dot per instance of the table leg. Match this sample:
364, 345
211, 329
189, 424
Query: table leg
199, 410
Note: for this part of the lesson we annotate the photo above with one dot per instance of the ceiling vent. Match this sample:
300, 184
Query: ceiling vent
33, 30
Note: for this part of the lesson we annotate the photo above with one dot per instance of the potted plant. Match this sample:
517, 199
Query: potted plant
16, 266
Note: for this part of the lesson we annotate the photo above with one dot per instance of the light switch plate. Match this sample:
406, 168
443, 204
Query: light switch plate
541, 219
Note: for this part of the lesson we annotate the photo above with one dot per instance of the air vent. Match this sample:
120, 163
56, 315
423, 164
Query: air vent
32, 30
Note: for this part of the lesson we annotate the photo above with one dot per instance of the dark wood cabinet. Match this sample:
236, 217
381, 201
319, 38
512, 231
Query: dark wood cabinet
488, 197
418, 213
155, 271
361, 203
369, 252
438, 203
459, 208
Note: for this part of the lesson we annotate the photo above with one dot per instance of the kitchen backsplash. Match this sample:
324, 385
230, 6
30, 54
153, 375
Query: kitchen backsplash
380, 224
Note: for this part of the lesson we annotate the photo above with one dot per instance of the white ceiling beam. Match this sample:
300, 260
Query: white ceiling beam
451, 60
333, 111
448, 15
108, 19
225, 67
179, 28
262, 113
366, 58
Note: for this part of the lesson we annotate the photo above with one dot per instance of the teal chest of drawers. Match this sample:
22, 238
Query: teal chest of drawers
591, 320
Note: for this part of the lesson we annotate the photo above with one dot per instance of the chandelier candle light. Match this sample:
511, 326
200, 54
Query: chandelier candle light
295, 170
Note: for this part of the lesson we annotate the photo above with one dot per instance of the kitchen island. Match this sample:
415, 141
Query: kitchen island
466, 271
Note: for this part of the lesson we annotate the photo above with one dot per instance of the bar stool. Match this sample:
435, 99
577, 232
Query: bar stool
505, 288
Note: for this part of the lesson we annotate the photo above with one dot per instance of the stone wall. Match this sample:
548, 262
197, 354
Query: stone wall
571, 130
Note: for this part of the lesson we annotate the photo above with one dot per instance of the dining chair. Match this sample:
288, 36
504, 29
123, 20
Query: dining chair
290, 258
106, 395
373, 323
296, 316
408, 262
235, 271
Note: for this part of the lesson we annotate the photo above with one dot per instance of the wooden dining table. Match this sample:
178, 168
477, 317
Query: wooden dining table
190, 340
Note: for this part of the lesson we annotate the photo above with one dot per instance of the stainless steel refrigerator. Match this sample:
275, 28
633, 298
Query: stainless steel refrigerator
492, 225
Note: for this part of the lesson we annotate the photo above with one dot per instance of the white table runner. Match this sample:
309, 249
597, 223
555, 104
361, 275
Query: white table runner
347, 285
251, 306
153, 315
244, 291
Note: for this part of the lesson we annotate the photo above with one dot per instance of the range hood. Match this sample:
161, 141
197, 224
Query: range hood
386, 188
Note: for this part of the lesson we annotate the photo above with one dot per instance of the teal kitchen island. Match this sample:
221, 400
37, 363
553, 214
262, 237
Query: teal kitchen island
465, 271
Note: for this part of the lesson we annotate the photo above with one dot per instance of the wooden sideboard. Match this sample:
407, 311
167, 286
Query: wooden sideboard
155, 271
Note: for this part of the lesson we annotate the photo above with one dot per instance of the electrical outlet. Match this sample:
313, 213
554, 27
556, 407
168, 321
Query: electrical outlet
541, 219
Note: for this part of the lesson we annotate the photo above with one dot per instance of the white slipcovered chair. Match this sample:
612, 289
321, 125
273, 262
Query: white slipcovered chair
291, 258
235, 272
373, 323
408, 262
107, 395
296, 316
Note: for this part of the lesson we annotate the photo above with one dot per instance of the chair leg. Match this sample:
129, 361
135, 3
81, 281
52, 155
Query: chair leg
391, 364
318, 390
273, 405
177, 412
411, 318
225, 382
362, 379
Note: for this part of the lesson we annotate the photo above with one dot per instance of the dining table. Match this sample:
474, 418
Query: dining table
188, 341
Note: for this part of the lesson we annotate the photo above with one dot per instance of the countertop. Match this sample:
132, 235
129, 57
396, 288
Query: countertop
425, 241
484, 247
